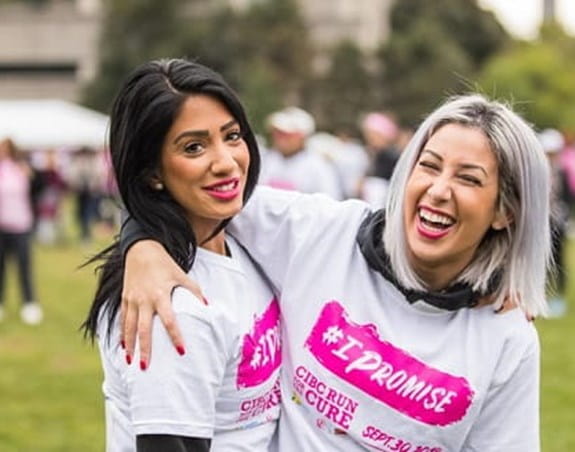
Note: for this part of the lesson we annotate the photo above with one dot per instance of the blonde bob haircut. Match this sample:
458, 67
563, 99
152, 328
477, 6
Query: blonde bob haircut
520, 253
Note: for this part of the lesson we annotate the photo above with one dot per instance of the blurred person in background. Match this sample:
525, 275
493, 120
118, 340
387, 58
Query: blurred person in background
289, 164
379, 133
110, 202
347, 156
86, 177
567, 162
553, 143
404, 136
16, 221
50, 191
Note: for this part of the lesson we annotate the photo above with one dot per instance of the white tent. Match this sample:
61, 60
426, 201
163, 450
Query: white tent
41, 124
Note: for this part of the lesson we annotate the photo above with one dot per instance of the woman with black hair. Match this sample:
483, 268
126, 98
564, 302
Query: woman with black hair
186, 160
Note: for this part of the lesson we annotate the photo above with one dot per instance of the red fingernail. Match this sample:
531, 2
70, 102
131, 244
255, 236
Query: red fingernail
128, 359
205, 301
123, 344
143, 365
181, 350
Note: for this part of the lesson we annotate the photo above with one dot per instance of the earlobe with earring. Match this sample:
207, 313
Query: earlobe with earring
158, 186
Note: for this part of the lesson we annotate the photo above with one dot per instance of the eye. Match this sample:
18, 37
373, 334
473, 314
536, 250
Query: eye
470, 179
194, 147
429, 165
234, 136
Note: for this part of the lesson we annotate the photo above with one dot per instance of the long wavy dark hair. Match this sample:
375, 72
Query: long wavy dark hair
142, 114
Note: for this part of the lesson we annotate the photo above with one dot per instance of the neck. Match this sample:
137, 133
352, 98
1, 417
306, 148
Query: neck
216, 245
436, 278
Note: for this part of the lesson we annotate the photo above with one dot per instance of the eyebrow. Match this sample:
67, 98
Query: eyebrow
463, 166
203, 133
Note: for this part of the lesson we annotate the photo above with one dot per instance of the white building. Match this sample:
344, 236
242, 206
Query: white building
49, 50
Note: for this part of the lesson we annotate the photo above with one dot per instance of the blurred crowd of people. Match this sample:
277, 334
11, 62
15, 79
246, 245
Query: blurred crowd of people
560, 151
33, 186
295, 156
298, 157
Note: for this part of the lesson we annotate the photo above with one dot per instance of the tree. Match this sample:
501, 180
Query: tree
435, 49
274, 33
262, 52
538, 78
133, 32
345, 92
260, 93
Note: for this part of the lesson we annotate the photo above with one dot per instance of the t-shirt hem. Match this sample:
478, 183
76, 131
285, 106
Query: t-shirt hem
165, 428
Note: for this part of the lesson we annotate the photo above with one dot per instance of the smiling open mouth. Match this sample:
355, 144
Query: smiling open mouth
434, 221
225, 187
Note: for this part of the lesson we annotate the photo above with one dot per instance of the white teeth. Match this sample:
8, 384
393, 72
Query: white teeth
435, 218
225, 187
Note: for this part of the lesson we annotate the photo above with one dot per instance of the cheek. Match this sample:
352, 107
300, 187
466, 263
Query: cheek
179, 174
242, 158
413, 190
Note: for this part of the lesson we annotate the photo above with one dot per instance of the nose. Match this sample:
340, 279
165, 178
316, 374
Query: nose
439, 189
223, 161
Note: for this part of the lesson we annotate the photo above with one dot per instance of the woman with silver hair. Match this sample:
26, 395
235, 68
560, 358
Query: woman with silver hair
403, 329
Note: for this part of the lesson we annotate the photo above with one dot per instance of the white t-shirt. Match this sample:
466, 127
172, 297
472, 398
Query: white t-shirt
226, 385
304, 171
365, 370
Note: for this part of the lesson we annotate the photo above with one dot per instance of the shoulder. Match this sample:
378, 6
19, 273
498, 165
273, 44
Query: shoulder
217, 314
299, 204
511, 315
516, 334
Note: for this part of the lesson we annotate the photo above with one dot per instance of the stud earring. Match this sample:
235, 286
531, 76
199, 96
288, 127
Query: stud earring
158, 186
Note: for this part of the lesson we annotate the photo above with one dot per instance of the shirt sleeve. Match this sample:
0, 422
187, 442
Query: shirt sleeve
509, 418
130, 233
171, 443
327, 179
278, 227
177, 394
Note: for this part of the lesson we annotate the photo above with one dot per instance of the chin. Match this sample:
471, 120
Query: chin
231, 212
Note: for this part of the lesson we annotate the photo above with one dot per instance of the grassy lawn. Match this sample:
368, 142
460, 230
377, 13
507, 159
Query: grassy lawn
50, 378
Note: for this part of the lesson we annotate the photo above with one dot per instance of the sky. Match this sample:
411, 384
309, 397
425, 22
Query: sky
523, 17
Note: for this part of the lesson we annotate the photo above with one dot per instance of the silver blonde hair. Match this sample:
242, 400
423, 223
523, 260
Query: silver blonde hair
520, 252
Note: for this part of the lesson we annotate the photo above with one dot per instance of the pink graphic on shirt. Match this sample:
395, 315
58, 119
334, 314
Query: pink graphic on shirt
250, 408
357, 355
281, 184
261, 349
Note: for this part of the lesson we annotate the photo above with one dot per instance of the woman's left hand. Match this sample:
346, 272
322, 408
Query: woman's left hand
150, 276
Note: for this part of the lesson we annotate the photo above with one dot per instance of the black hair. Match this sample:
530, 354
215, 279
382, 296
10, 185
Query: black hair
142, 114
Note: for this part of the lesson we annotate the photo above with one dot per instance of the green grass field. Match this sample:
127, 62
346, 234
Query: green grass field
50, 379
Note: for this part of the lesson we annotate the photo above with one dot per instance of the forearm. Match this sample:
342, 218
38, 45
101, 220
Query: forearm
171, 443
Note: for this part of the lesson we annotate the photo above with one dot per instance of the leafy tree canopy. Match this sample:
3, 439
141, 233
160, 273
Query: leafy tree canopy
345, 92
265, 46
133, 32
538, 78
435, 49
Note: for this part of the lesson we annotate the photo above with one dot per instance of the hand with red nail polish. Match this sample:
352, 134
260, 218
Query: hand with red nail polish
149, 279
